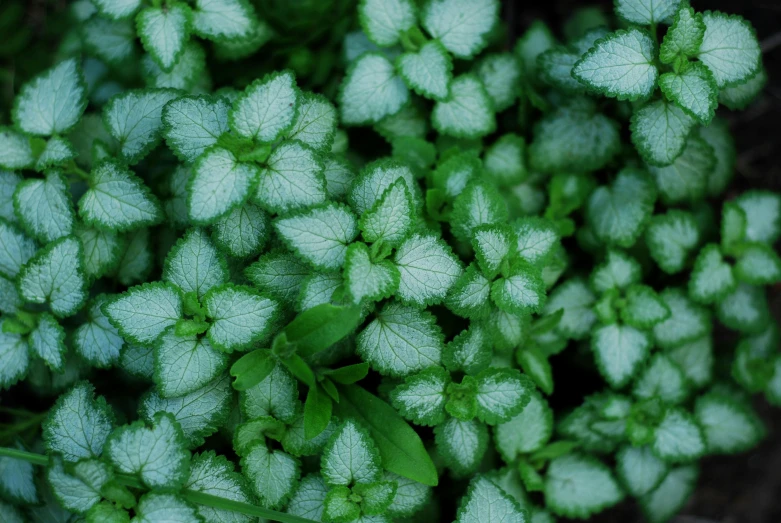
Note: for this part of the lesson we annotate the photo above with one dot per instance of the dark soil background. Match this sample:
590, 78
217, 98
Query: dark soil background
744, 488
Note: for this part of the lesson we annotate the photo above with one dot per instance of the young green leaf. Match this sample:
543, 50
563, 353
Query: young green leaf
367, 280
684, 37
693, 90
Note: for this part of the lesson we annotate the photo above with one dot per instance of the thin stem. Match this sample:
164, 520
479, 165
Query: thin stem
192, 496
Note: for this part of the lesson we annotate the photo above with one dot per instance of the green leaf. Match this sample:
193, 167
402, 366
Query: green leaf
220, 183
79, 490
671, 494
470, 295
78, 425
480, 203
741, 96
684, 37
374, 181
55, 276
527, 431
339, 176
500, 74
712, 278
371, 91
618, 272
320, 235
695, 359
239, 316
678, 438
103, 251
400, 341
97, 341
555, 66
660, 131
619, 350
575, 299
52, 102
469, 352
391, 217
309, 498
671, 239
687, 321
221, 20
192, 124
422, 397
57, 152
213, 474
367, 280
276, 395
646, 12
116, 9
194, 264
118, 200
763, 215
643, 308
662, 379
17, 481
339, 507
501, 394
729, 48
486, 501
252, 368
143, 312
758, 264
620, 65
428, 270
728, 425
428, 71
320, 327
461, 444
639, 470
110, 40
537, 39
686, 179
468, 111
745, 309
317, 412
291, 180
280, 275
536, 239
718, 136
199, 413
400, 448
184, 364
618, 213
316, 122
188, 71
164, 32
492, 244
153, 507
590, 139
522, 292
385, 22
461, 25
134, 119
351, 457
578, 485
158, 454
44, 207
17, 250
8, 183
15, 149
242, 232
693, 90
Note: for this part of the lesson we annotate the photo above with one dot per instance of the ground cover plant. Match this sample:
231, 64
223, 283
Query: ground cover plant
326, 264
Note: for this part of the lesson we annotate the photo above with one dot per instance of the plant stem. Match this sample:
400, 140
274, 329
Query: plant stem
199, 498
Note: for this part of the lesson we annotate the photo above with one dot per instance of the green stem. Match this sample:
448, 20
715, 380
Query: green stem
200, 498
78, 171
21, 427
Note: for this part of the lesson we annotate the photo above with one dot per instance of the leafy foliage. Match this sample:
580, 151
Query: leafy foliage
343, 282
